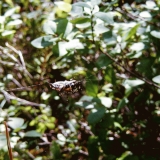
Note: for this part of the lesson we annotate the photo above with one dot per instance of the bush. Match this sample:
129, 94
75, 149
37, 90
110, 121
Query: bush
112, 48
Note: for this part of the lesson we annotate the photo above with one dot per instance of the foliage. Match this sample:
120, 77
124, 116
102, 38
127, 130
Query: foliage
113, 49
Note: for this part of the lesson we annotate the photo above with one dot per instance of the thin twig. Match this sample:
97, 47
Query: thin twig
8, 142
22, 63
132, 73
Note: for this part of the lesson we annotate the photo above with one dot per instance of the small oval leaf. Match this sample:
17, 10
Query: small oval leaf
33, 133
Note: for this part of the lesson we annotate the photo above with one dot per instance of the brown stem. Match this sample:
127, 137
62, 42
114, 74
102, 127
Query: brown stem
8, 142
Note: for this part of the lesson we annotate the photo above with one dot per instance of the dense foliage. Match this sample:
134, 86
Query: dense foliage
112, 47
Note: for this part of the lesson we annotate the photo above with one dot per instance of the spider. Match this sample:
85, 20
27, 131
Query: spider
66, 87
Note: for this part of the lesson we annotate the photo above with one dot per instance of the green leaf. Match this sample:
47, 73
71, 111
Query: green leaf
96, 115
32, 133
103, 61
145, 66
106, 17
110, 76
15, 122
55, 151
42, 42
156, 79
93, 148
64, 27
109, 38
80, 20
92, 88
50, 27
155, 34
131, 32
121, 104
66, 7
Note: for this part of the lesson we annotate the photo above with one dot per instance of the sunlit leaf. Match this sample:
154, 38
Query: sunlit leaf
150, 4
63, 6
76, 10
86, 105
156, 79
8, 32
82, 4
10, 11
15, 22
96, 2
2, 19
137, 46
64, 47
155, 34
50, 27
106, 17
61, 137
100, 28
132, 83
15, 122
118, 125
72, 125
145, 14
106, 101
42, 42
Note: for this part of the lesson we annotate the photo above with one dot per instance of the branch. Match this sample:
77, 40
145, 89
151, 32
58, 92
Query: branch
22, 101
132, 73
